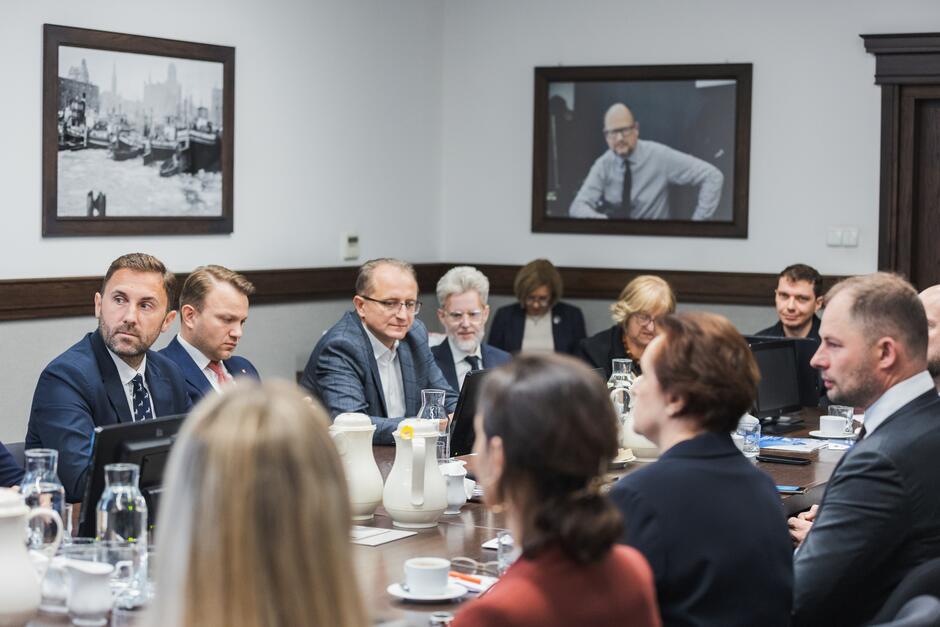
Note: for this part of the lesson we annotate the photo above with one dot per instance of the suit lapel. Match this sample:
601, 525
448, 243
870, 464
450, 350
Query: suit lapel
518, 328
557, 331
157, 383
194, 376
447, 364
110, 379
406, 363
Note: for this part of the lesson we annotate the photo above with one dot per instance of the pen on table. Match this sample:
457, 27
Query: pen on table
469, 578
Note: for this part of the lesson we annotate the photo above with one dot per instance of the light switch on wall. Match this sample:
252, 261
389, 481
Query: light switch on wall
850, 237
834, 236
349, 247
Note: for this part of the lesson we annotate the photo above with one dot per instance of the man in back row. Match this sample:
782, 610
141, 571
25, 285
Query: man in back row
110, 376
798, 297
376, 359
879, 517
213, 311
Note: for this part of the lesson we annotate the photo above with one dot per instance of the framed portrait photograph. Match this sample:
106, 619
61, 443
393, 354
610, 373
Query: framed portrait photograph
138, 135
642, 150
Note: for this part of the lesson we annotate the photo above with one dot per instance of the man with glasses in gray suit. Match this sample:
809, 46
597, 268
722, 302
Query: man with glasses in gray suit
376, 359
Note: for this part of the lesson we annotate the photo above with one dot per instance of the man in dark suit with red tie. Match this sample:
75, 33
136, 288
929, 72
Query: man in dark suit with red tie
878, 518
213, 311
111, 376
462, 293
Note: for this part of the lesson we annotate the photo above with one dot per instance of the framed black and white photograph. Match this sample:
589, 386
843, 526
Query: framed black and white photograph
644, 150
138, 134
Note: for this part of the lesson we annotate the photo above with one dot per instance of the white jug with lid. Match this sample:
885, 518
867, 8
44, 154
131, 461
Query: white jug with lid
19, 581
415, 494
352, 435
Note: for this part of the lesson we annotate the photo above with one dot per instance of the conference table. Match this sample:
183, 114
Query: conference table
463, 534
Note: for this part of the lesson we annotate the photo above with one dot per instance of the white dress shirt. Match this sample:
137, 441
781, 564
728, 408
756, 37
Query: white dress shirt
896, 397
537, 336
460, 361
202, 362
390, 373
126, 374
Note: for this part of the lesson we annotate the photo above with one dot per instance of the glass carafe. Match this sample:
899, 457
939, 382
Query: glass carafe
620, 382
41, 488
432, 408
122, 527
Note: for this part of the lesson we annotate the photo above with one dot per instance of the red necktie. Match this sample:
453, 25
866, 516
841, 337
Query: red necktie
220, 375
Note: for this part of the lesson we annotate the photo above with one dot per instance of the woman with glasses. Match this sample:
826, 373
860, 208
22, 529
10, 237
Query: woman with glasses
540, 322
255, 528
545, 431
636, 313
710, 523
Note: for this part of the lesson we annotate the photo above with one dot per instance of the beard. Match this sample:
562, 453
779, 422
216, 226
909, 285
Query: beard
933, 365
468, 345
860, 390
136, 348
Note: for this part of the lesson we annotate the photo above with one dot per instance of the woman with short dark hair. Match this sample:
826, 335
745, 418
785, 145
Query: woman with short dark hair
711, 525
540, 322
545, 432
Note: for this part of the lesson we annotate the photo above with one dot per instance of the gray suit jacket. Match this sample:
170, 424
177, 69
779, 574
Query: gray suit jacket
879, 518
343, 374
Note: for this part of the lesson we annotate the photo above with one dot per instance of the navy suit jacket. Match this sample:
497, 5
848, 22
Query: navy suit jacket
80, 390
509, 327
343, 374
197, 385
492, 357
714, 531
878, 519
10, 472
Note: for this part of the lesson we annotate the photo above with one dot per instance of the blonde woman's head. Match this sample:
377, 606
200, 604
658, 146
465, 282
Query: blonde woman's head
255, 526
642, 302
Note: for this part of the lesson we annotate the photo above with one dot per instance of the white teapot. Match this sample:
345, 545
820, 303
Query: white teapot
19, 581
622, 398
352, 435
415, 494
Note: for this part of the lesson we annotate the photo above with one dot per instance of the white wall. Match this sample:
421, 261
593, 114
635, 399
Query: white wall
337, 127
814, 131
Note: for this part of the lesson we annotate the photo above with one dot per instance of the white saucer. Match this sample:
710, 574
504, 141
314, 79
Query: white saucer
451, 592
623, 458
830, 436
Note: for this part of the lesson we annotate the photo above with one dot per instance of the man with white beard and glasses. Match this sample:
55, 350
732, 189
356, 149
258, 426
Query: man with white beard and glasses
462, 294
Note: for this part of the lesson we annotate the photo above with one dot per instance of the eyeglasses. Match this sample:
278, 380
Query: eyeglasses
394, 306
623, 131
457, 316
644, 319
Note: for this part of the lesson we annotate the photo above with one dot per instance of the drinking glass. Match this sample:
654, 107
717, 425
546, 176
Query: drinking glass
749, 431
41, 488
845, 412
506, 551
432, 408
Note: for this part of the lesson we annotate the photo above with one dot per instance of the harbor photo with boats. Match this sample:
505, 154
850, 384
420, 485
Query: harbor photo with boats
138, 135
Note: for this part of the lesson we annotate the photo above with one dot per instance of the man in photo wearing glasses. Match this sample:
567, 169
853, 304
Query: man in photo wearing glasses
463, 293
376, 359
631, 180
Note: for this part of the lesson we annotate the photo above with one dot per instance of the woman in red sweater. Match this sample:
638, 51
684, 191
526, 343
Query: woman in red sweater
544, 433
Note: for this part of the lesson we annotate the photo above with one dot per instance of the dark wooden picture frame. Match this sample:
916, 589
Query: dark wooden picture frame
64, 127
698, 110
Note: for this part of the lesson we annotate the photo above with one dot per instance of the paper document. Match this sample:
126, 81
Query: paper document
373, 536
795, 445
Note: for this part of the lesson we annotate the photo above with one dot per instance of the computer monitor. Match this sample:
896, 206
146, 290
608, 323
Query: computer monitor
146, 443
461, 434
778, 391
808, 379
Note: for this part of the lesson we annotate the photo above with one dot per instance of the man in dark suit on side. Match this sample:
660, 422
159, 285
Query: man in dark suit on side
878, 518
213, 311
376, 359
110, 376
462, 293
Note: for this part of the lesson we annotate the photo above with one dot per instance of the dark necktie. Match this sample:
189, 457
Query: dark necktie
625, 204
474, 362
141, 400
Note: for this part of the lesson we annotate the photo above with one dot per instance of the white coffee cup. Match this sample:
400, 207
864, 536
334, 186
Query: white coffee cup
426, 576
833, 425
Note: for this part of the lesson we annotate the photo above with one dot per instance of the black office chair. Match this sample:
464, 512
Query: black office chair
923, 580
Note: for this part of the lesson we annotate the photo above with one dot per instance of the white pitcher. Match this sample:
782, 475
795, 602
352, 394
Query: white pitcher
352, 435
415, 494
19, 581
622, 398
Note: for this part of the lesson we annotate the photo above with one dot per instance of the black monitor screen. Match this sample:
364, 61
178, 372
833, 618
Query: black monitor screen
462, 434
778, 390
147, 444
